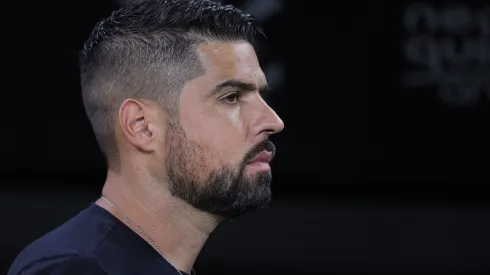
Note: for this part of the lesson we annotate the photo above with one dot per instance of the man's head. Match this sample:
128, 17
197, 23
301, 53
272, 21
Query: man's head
176, 87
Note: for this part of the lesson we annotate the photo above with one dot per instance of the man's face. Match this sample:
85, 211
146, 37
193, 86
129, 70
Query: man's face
217, 158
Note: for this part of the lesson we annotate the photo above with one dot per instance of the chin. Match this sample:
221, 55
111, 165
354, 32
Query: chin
260, 177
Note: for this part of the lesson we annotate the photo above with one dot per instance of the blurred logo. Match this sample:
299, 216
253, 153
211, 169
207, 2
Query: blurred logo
448, 47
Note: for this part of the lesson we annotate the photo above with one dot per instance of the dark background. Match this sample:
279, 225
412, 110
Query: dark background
371, 176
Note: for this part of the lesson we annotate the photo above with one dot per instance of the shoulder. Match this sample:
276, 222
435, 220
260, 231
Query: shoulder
64, 265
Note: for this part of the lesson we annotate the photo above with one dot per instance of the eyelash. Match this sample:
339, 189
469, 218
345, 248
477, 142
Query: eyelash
234, 95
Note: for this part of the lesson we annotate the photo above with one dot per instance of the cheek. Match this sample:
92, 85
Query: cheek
219, 134
227, 131
234, 118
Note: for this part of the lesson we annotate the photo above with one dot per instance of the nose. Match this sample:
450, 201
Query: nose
269, 123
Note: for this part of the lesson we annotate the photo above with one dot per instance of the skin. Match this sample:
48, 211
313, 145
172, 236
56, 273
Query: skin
223, 126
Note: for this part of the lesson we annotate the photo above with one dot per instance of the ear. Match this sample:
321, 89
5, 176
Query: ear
136, 124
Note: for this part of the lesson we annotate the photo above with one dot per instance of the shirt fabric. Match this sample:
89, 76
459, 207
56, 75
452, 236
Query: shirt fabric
94, 242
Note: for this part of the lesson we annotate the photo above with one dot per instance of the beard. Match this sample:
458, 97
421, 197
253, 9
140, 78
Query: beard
227, 191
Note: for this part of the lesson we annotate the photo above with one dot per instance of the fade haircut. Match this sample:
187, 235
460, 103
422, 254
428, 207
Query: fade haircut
148, 50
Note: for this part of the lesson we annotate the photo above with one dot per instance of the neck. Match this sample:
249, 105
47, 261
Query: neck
178, 229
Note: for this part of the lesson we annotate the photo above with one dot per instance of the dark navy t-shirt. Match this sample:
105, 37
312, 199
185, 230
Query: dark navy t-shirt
92, 243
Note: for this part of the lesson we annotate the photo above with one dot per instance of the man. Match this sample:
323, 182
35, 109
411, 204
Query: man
173, 90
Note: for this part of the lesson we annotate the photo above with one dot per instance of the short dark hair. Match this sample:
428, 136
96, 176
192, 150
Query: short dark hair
149, 50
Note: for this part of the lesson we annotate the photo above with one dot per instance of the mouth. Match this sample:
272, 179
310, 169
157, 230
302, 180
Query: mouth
263, 157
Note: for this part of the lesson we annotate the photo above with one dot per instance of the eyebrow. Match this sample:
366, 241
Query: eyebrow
240, 85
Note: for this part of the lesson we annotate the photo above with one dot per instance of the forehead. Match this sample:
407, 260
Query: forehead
234, 60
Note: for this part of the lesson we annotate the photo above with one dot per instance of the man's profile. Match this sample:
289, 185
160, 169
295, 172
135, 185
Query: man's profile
173, 90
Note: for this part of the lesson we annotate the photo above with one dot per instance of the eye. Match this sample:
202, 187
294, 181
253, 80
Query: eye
231, 99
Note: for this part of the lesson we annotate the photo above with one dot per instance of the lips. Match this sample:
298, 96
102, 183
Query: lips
264, 157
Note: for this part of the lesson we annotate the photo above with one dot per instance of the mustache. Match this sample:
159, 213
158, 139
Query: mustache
265, 145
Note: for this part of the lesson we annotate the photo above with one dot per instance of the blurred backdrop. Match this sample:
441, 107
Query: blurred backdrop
382, 167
